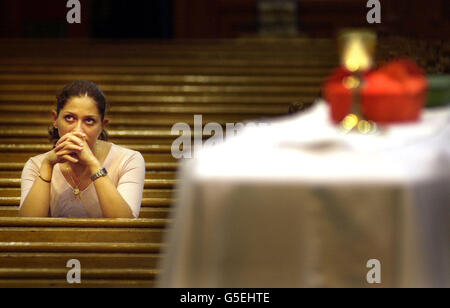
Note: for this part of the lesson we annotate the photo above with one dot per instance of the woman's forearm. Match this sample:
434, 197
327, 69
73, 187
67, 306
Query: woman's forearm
111, 202
37, 202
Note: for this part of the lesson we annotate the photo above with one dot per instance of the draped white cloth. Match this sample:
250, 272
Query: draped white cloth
297, 203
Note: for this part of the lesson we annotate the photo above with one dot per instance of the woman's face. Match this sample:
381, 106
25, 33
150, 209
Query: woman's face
80, 114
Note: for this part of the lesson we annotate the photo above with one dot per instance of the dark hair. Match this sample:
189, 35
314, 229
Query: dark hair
79, 88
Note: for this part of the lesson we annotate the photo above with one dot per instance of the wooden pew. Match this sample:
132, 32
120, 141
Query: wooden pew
112, 252
155, 85
156, 203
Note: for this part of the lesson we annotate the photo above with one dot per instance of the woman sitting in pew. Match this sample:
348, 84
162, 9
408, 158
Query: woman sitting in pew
84, 175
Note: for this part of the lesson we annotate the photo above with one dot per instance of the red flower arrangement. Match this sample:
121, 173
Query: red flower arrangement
396, 92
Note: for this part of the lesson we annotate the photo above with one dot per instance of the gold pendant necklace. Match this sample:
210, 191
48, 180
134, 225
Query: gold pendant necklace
76, 189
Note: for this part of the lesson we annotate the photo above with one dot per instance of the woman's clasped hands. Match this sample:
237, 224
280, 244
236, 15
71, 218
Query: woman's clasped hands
72, 147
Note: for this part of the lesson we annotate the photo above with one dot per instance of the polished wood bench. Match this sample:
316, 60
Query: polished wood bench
150, 86
112, 252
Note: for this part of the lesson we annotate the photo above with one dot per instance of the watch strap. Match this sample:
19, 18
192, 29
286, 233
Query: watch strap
99, 174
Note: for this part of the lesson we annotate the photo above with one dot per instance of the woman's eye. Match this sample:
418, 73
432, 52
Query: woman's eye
90, 121
68, 117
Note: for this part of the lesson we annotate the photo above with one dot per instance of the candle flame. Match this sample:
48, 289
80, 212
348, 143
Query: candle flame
356, 57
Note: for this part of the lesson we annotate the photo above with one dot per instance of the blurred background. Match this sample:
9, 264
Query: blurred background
196, 19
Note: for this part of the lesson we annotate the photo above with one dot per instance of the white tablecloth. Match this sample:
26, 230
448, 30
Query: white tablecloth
298, 203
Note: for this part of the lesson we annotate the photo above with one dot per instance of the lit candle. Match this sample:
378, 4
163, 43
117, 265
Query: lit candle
357, 49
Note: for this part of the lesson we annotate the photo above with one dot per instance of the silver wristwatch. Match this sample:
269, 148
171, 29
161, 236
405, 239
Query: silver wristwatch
99, 174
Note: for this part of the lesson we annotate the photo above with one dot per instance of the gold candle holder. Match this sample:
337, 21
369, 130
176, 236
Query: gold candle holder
357, 48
